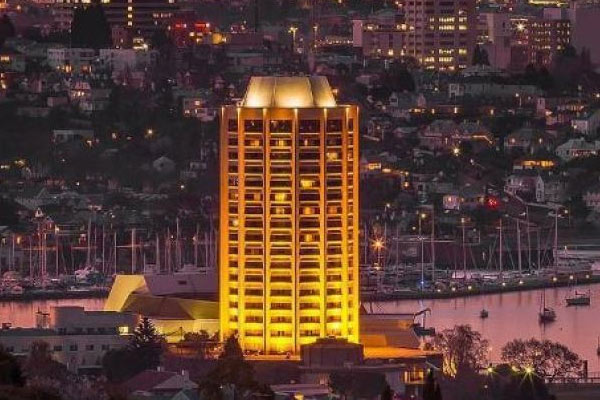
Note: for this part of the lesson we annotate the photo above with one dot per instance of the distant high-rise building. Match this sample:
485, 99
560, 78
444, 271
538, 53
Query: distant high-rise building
495, 37
382, 34
142, 17
536, 40
585, 18
441, 34
289, 216
547, 37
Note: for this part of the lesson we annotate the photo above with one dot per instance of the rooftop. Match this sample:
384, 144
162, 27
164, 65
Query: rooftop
288, 92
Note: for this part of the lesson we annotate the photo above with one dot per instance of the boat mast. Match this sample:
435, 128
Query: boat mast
366, 243
539, 250
133, 255
89, 243
207, 249
397, 245
56, 255
115, 250
196, 237
500, 249
528, 239
432, 243
519, 255
157, 260
10, 266
177, 245
95, 245
555, 238
103, 249
464, 249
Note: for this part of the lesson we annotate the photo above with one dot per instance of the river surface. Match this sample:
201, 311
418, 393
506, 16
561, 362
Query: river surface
515, 315
22, 313
511, 315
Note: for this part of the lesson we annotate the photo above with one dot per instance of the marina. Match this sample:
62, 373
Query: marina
514, 316
578, 326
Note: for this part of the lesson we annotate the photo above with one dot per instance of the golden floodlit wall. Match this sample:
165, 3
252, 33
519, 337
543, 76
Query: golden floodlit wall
289, 216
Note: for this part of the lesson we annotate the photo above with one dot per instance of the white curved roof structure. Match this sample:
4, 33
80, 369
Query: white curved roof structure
288, 92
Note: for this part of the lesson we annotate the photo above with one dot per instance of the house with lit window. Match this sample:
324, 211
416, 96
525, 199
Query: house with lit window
440, 134
591, 198
127, 59
577, 148
197, 107
70, 59
76, 338
60, 136
87, 96
536, 161
587, 122
551, 188
527, 140
11, 60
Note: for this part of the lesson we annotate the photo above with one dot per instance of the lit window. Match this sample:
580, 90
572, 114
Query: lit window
307, 183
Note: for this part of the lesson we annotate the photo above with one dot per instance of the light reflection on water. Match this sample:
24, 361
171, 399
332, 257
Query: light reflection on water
22, 313
515, 315
511, 315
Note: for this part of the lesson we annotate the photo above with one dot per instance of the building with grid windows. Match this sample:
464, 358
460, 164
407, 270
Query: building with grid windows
289, 216
441, 34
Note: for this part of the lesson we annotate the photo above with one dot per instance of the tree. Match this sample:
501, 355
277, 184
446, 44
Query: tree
10, 371
480, 56
387, 394
548, 359
341, 383
143, 352
357, 384
28, 393
8, 212
7, 29
463, 348
119, 365
90, 27
201, 342
398, 78
146, 343
506, 383
232, 374
39, 364
431, 390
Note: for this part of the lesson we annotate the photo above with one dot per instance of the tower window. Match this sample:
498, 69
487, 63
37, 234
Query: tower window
280, 126
232, 125
309, 126
253, 125
334, 125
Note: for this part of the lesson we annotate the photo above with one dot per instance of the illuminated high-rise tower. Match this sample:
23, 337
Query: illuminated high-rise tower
289, 215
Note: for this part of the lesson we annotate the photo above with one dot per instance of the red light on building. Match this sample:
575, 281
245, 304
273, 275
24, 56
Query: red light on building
492, 203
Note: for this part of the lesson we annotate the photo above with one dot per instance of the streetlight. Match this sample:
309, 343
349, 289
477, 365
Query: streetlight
463, 220
518, 96
293, 30
422, 216
378, 245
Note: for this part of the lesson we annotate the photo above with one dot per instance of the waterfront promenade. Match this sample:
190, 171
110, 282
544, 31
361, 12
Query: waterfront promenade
465, 289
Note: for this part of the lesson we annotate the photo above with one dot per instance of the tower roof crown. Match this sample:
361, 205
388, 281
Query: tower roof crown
288, 92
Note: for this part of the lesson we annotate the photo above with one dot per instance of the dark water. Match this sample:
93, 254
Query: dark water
22, 314
511, 315
515, 315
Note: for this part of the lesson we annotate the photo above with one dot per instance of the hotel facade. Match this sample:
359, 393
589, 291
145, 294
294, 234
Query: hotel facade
289, 216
